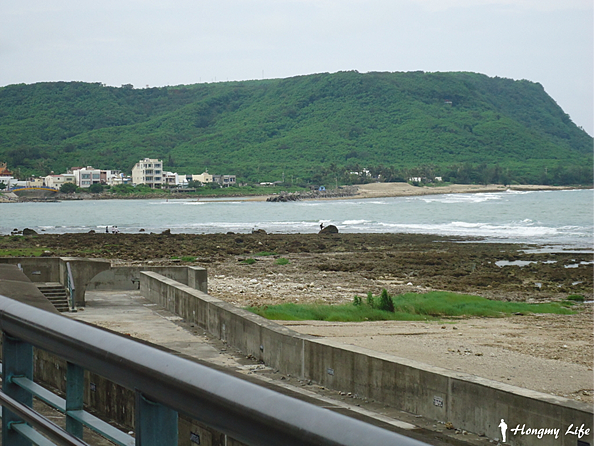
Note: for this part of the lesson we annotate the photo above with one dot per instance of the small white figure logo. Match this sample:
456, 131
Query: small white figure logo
503, 426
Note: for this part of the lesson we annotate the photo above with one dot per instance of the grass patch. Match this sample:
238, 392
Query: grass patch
249, 261
265, 253
282, 261
186, 258
409, 307
22, 252
578, 298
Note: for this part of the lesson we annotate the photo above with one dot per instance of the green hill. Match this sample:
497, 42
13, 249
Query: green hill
466, 127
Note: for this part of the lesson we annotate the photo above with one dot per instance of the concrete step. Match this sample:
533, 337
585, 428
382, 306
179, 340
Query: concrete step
56, 293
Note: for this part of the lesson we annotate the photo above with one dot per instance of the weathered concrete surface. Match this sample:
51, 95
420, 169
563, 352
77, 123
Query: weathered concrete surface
128, 277
131, 314
14, 284
477, 404
37, 269
54, 269
83, 271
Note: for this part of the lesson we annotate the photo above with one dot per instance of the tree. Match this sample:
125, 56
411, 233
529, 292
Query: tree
68, 187
2, 185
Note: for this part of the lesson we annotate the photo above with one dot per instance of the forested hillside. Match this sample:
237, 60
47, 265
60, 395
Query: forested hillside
466, 127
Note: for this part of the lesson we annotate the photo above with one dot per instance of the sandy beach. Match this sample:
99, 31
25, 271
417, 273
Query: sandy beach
398, 189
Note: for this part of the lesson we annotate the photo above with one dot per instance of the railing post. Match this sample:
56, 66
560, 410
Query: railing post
74, 400
17, 360
71, 286
155, 424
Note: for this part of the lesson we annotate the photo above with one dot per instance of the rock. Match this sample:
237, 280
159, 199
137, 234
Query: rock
90, 232
259, 231
331, 229
142, 230
28, 231
166, 232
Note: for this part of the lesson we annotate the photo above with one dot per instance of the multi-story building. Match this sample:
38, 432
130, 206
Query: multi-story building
174, 179
149, 172
85, 177
224, 180
56, 181
36, 182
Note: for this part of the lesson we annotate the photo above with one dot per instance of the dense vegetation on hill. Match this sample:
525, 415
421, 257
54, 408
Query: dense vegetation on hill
465, 127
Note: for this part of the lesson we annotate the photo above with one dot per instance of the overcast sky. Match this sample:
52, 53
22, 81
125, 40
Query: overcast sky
162, 42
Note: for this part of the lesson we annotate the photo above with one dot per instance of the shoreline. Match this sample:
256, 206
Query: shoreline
363, 191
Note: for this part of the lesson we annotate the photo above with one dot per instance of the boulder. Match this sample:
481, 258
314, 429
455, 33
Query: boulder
331, 229
28, 231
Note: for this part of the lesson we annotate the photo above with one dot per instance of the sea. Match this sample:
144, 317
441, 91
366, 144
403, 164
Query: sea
561, 219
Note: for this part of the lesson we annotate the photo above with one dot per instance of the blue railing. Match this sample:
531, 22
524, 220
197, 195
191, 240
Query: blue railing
164, 385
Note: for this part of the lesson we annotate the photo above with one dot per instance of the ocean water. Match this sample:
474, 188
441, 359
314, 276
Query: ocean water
555, 218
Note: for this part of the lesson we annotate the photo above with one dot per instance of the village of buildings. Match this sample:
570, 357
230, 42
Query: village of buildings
148, 172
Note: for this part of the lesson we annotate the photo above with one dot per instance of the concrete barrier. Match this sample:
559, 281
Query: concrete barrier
99, 274
54, 269
468, 402
128, 277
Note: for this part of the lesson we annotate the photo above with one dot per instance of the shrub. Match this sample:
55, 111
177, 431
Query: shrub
68, 187
357, 301
96, 188
370, 300
575, 298
385, 302
282, 261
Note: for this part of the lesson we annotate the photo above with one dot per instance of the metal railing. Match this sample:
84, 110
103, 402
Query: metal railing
71, 287
164, 386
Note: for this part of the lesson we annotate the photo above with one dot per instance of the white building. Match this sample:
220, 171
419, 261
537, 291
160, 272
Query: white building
149, 172
204, 178
56, 181
174, 179
85, 177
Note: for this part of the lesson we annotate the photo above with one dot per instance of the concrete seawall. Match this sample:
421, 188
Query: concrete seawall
468, 402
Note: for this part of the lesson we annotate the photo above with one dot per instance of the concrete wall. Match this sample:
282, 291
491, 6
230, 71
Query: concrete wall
37, 269
128, 277
98, 274
469, 402
54, 269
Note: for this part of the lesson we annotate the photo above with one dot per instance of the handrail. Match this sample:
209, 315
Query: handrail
71, 287
247, 412
40, 421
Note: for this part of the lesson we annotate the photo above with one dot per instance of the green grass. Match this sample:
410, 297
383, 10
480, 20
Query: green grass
22, 252
265, 253
410, 307
249, 261
186, 258
282, 261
